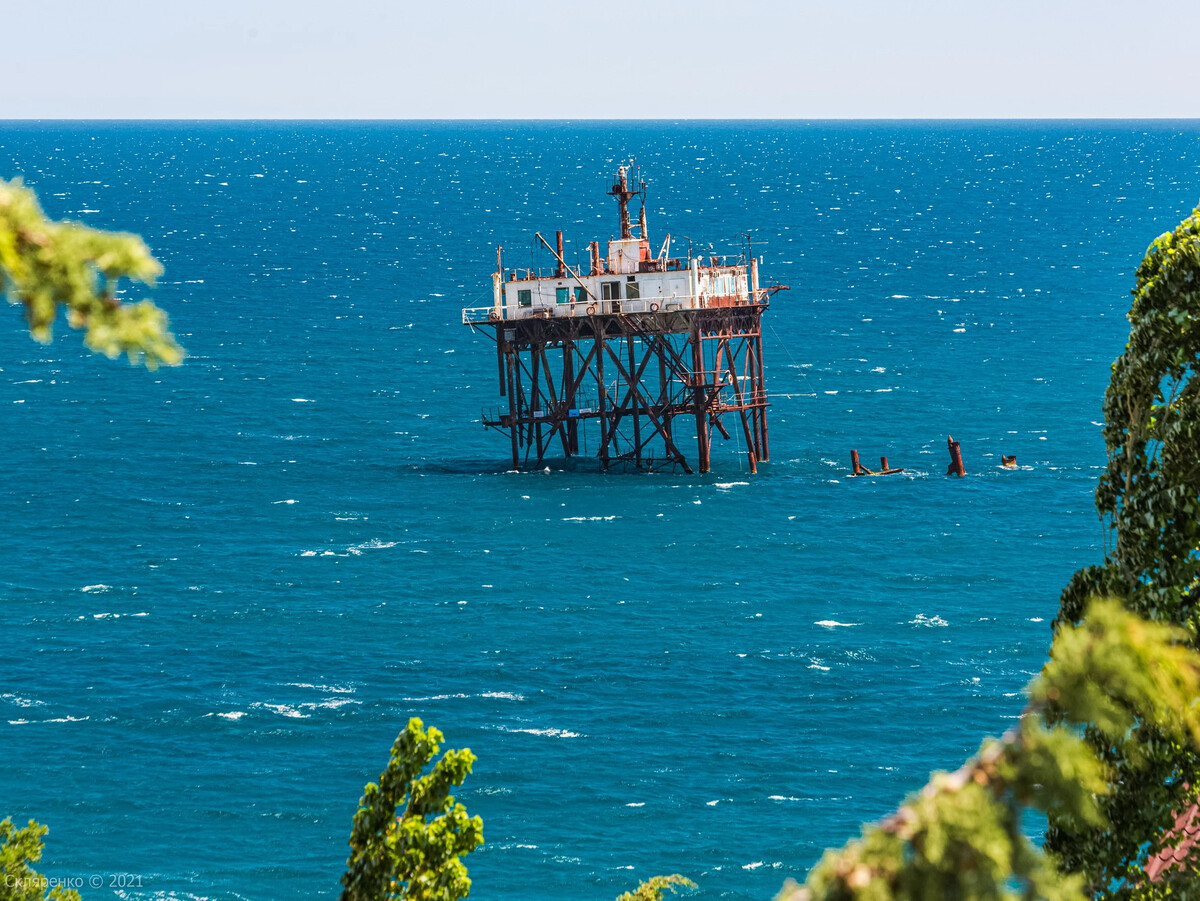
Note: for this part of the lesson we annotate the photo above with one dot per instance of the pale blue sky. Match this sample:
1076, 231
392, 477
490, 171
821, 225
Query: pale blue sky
657, 59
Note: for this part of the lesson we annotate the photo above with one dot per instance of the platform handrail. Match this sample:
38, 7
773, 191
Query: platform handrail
582, 309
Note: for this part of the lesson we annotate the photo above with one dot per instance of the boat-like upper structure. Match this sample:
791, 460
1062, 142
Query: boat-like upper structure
630, 278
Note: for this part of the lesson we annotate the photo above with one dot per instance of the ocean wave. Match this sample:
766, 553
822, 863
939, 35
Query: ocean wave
330, 704
375, 544
550, 732
18, 701
284, 710
336, 689
923, 620
834, 624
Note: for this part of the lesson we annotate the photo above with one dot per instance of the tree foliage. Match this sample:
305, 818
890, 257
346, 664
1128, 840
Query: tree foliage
18, 881
962, 836
1149, 501
409, 832
656, 887
46, 266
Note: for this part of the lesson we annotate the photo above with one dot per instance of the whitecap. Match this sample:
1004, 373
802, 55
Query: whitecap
923, 620
331, 704
727, 485
336, 689
550, 733
373, 545
99, 586
833, 623
636, 804
21, 702
282, 710
303, 400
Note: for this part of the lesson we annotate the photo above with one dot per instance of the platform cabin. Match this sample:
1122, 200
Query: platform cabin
627, 280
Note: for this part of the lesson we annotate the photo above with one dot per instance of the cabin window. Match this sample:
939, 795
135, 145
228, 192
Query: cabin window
562, 295
632, 290
610, 290
524, 297
580, 295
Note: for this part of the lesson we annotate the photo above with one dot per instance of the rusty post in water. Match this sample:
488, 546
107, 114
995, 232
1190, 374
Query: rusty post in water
956, 462
858, 469
883, 464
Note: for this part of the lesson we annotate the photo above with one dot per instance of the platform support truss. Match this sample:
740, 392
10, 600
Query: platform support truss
616, 386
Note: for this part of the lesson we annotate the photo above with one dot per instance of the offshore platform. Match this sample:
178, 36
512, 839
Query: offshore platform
610, 360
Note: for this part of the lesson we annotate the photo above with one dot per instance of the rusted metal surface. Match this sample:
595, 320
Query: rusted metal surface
608, 372
956, 467
632, 376
884, 468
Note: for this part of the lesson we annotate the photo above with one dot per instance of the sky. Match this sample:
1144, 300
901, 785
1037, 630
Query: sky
608, 59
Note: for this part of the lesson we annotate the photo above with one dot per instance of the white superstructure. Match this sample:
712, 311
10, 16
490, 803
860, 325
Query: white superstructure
628, 279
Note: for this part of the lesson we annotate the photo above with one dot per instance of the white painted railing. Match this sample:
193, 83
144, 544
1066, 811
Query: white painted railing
594, 308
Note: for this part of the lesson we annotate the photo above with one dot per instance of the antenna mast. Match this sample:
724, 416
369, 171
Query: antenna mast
621, 191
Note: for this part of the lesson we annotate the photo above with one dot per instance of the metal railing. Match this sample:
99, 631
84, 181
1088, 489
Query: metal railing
597, 308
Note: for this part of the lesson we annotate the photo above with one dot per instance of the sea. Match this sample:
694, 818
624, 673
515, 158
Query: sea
226, 586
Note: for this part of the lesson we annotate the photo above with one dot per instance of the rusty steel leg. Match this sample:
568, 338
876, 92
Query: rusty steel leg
764, 450
535, 402
602, 393
572, 424
634, 394
512, 407
699, 403
956, 467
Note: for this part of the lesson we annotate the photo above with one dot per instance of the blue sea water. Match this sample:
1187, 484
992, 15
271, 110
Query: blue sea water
226, 586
